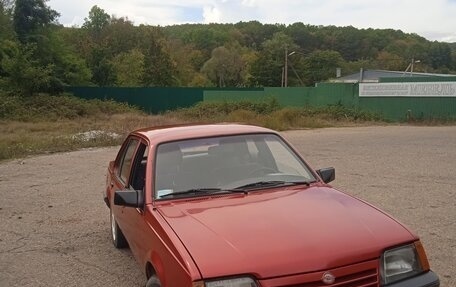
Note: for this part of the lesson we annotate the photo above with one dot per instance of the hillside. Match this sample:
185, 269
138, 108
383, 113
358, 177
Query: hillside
37, 54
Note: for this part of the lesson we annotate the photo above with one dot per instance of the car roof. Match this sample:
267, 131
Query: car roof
179, 132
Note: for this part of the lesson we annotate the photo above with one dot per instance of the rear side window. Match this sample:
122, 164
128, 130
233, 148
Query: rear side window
127, 159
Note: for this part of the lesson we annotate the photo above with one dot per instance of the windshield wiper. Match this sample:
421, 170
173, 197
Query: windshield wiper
273, 183
240, 189
202, 191
262, 184
301, 182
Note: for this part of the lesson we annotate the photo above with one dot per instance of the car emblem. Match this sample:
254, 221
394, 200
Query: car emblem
328, 278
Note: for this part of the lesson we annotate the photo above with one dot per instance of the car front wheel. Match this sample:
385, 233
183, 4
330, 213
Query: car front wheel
118, 239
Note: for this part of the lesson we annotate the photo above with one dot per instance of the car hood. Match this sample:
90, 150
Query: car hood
281, 232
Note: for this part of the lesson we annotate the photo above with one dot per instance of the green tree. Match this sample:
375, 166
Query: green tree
204, 37
266, 72
46, 62
160, 70
321, 66
355, 66
119, 53
129, 68
7, 4
31, 17
101, 67
267, 69
255, 33
6, 31
440, 55
121, 36
390, 61
96, 22
24, 74
226, 67
200, 80
98, 55
188, 62
453, 58
68, 67
6, 25
304, 36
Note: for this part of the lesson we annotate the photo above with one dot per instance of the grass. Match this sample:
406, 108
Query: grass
271, 115
20, 139
46, 124
42, 107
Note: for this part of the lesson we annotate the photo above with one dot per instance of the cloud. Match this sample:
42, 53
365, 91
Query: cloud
211, 14
432, 19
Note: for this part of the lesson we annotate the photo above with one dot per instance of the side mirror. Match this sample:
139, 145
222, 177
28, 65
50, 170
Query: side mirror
130, 198
327, 174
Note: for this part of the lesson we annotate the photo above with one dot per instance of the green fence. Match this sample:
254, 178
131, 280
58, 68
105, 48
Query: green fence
402, 109
400, 101
151, 100
322, 95
155, 100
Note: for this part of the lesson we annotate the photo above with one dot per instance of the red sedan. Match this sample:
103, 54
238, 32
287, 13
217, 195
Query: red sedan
236, 206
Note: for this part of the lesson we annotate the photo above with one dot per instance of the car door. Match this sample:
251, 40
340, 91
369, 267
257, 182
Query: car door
131, 175
135, 225
120, 177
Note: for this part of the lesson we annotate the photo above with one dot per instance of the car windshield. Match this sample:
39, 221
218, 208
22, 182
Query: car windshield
224, 164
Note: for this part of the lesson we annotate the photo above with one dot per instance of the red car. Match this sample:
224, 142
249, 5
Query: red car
236, 206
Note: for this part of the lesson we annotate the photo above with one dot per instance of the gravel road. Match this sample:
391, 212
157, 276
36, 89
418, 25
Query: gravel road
54, 226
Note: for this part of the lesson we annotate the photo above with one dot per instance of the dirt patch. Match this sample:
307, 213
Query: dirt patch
55, 227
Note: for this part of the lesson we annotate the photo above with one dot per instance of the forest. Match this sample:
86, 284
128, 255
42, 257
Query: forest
39, 55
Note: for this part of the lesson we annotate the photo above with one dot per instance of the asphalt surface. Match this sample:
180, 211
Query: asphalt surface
54, 225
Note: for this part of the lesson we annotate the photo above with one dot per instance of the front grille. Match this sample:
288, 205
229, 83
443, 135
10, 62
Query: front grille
367, 278
364, 274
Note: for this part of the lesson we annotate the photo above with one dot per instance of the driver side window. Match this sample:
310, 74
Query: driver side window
138, 177
125, 166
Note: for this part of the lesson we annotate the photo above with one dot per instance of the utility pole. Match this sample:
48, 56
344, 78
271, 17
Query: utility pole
285, 72
411, 66
283, 75
411, 69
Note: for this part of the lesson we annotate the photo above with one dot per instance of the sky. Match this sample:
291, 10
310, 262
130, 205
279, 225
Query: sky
434, 20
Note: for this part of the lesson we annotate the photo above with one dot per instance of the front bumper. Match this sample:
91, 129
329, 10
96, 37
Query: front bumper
428, 279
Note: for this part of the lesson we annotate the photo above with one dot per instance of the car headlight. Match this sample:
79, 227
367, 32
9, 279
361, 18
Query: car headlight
403, 262
232, 282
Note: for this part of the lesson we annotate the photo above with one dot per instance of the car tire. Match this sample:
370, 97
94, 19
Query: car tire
118, 239
153, 282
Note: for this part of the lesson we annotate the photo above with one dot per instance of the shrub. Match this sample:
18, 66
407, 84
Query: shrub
271, 115
216, 110
43, 107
